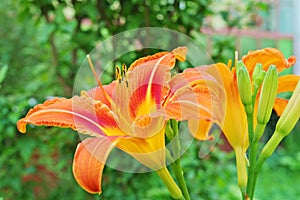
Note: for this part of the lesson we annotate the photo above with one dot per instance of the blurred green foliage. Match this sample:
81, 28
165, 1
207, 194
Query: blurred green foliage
42, 44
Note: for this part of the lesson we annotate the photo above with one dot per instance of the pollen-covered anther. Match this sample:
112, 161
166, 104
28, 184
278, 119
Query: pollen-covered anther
118, 74
121, 74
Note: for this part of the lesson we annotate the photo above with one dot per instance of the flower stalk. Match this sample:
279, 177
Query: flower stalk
176, 166
174, 190
265, 106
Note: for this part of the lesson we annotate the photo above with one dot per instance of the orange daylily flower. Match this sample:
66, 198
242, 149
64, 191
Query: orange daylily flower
235, 124
130, 113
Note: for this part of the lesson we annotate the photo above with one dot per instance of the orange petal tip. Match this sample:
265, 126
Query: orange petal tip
180, 53
291, 61
21, 125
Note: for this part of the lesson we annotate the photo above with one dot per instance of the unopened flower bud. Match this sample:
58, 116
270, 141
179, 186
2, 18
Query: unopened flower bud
284, 126
244, 85
267, 95
291, 113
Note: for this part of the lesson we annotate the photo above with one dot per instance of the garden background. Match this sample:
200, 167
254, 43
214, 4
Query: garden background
44, 42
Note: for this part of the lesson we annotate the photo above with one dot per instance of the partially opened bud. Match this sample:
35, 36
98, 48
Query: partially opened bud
258, 75
267, 95
291, 113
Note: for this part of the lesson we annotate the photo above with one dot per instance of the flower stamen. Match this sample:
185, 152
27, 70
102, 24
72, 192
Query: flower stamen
236, 58
118, 74
124, 70
121, 76
97, 79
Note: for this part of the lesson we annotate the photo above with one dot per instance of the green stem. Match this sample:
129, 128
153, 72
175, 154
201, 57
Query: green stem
250, 125
250, 183
267, 151
174, 190
253, 145
176, 166
253, 153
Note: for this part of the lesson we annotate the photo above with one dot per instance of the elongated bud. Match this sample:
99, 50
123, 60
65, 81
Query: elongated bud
291, 113
284, 126
267, 95
238, 65
244, 85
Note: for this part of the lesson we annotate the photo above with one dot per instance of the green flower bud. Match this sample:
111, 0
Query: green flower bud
291, 113
284, 126
239, 64
267, 95
257, 70
244, 85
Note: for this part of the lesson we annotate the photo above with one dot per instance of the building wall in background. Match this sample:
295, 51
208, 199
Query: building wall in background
278, 27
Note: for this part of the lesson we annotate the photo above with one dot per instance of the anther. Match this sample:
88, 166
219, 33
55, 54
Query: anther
118, 74
124, 70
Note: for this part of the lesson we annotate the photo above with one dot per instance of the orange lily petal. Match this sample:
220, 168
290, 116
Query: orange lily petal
89, 161
267, 57
149, 151
178, 53
287, 83
280, 105
195, 95
200, 129
235, 123
82, 114
97, 93
192, 96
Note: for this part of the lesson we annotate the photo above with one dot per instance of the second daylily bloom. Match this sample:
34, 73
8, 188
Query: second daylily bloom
235, 126
131, 114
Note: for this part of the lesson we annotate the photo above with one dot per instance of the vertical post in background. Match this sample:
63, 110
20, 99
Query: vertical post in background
296, 34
